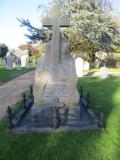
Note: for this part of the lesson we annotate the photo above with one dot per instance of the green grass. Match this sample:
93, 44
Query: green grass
114, 69
83, 145
7, 75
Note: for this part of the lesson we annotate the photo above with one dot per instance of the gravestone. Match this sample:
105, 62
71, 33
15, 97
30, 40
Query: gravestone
17, 60
55, 75
86, 66
79, 64
14, 65
104, 72
9, 60
24, 58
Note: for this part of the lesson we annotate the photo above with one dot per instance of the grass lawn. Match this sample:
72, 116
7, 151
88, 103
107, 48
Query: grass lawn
6, 75
83, 145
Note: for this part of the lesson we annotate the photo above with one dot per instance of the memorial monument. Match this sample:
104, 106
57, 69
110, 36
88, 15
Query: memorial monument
55, 76
54, 103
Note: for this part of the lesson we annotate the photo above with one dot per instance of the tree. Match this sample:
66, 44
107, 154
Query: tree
35, 34
35, 51
92, 29
3, 50
92, 24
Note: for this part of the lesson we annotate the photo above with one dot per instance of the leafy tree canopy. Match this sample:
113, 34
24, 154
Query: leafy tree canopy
36, 50
92, 28
3, 50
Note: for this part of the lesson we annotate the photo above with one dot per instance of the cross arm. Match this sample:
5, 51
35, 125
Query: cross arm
49, 22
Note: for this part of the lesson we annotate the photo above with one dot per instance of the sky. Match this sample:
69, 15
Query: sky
116, 7
10, 31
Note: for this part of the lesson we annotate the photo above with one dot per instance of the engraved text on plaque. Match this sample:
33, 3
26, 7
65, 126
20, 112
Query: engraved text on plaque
59, 90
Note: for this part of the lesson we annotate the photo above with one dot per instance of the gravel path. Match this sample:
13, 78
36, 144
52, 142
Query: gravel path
11, 91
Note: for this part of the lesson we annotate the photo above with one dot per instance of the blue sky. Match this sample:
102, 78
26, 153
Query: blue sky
116, 7
10, 31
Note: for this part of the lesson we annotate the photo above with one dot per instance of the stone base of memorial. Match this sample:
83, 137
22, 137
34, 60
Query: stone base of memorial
46, 120
54, 117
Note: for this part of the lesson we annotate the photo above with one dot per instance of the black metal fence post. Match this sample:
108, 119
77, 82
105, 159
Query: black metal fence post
55, 117
31, 91
81, 91
24, 100
101, 118
88, 100
10, 117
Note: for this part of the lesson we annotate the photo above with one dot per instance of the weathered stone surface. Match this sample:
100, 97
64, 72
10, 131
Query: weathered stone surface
56, 90
85, 122
51, 114
55, 74
9, 60
56, 80
42, 116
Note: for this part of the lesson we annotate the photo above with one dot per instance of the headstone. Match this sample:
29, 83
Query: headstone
103, 72
55, 75
24, 58
9, 60
17, 60
86, 66
79, 64
14, 65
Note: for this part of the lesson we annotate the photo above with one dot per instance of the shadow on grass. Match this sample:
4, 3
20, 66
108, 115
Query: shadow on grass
89, 74
102, 93
55, 146
83, 145
105, 94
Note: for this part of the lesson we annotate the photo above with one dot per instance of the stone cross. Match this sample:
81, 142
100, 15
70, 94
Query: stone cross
56, 21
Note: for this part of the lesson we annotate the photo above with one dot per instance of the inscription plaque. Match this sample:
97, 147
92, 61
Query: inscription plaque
59, 90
